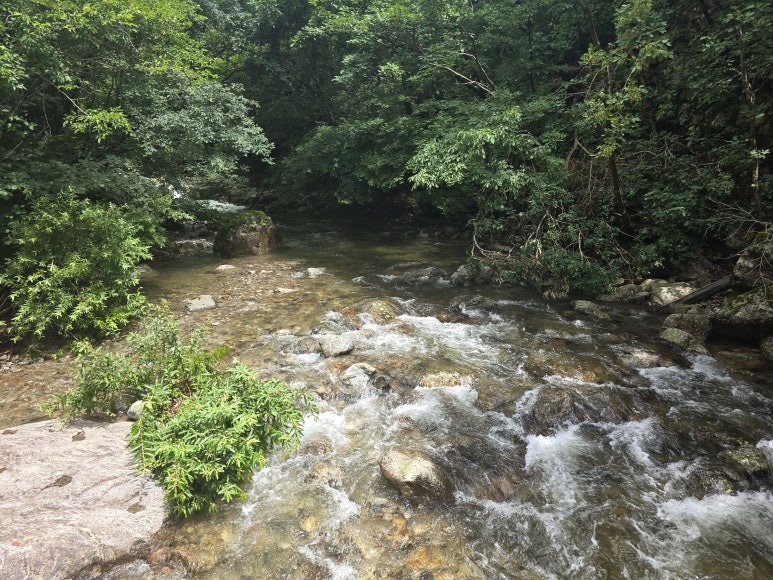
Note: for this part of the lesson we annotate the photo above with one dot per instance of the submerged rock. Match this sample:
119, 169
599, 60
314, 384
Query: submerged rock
333, 345
589, 308
203, 302
415, 475
748, 459
70, 497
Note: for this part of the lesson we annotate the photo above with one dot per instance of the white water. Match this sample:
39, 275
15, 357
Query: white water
566, 461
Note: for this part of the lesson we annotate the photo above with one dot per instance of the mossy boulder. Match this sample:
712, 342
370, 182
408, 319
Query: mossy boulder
747, 316
246, 233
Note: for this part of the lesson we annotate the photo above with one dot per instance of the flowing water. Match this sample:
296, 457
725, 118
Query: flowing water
575, 447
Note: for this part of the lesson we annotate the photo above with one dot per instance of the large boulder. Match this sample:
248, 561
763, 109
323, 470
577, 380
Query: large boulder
71, 497
414, 474
698, 325
747, 316
755, 264
663, 293
683, 340
246, 233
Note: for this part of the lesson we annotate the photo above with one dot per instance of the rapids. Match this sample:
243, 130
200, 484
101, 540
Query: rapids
576, 447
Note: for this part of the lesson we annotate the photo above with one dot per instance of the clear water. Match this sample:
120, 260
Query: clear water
577, 448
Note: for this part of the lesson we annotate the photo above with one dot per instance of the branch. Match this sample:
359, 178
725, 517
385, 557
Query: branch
467, 80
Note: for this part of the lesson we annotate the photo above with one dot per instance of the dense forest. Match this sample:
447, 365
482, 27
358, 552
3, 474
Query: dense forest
580, 141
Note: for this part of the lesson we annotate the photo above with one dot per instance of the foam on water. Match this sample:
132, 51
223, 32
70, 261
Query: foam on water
692, 529
551, 458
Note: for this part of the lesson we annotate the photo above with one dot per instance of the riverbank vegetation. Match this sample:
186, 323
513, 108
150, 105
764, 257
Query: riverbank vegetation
580, 140
204, 426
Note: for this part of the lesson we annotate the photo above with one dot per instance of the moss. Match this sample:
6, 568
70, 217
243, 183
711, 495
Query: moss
244, 222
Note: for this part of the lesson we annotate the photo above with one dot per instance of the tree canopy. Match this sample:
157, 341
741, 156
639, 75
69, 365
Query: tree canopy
580, 140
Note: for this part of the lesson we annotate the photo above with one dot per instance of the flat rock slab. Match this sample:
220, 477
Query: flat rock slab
71, 497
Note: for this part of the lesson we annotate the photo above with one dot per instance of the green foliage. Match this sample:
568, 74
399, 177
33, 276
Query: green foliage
74, 270
204, 428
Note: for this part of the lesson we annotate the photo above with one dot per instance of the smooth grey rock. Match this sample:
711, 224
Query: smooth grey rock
225, 268
70, 497
315, 272
415, 475
135, 410
203, 302
333, 345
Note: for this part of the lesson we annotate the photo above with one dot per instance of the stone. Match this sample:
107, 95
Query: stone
303, 345
358, 374
333, 345
766, 347
683, 340
246, 233
315, 272
414, 474
747, 316
203, 302
327, 474
186, 248
698, 325
663, 293
135, 410
589, 308
555, 408
70, 497
755, 264
381, 310
463, 276
444, 379
225, 268
629, 293
748, 459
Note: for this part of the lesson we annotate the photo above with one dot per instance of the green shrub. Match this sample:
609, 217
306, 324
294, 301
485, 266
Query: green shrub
204, 428
73, 271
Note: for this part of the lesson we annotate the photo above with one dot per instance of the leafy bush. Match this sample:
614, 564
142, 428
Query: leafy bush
204, 428
74, 268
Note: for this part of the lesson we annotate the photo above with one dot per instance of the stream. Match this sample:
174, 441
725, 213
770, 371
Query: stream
575, 447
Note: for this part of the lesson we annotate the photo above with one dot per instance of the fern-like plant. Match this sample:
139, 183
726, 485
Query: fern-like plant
205, 428
73, 271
